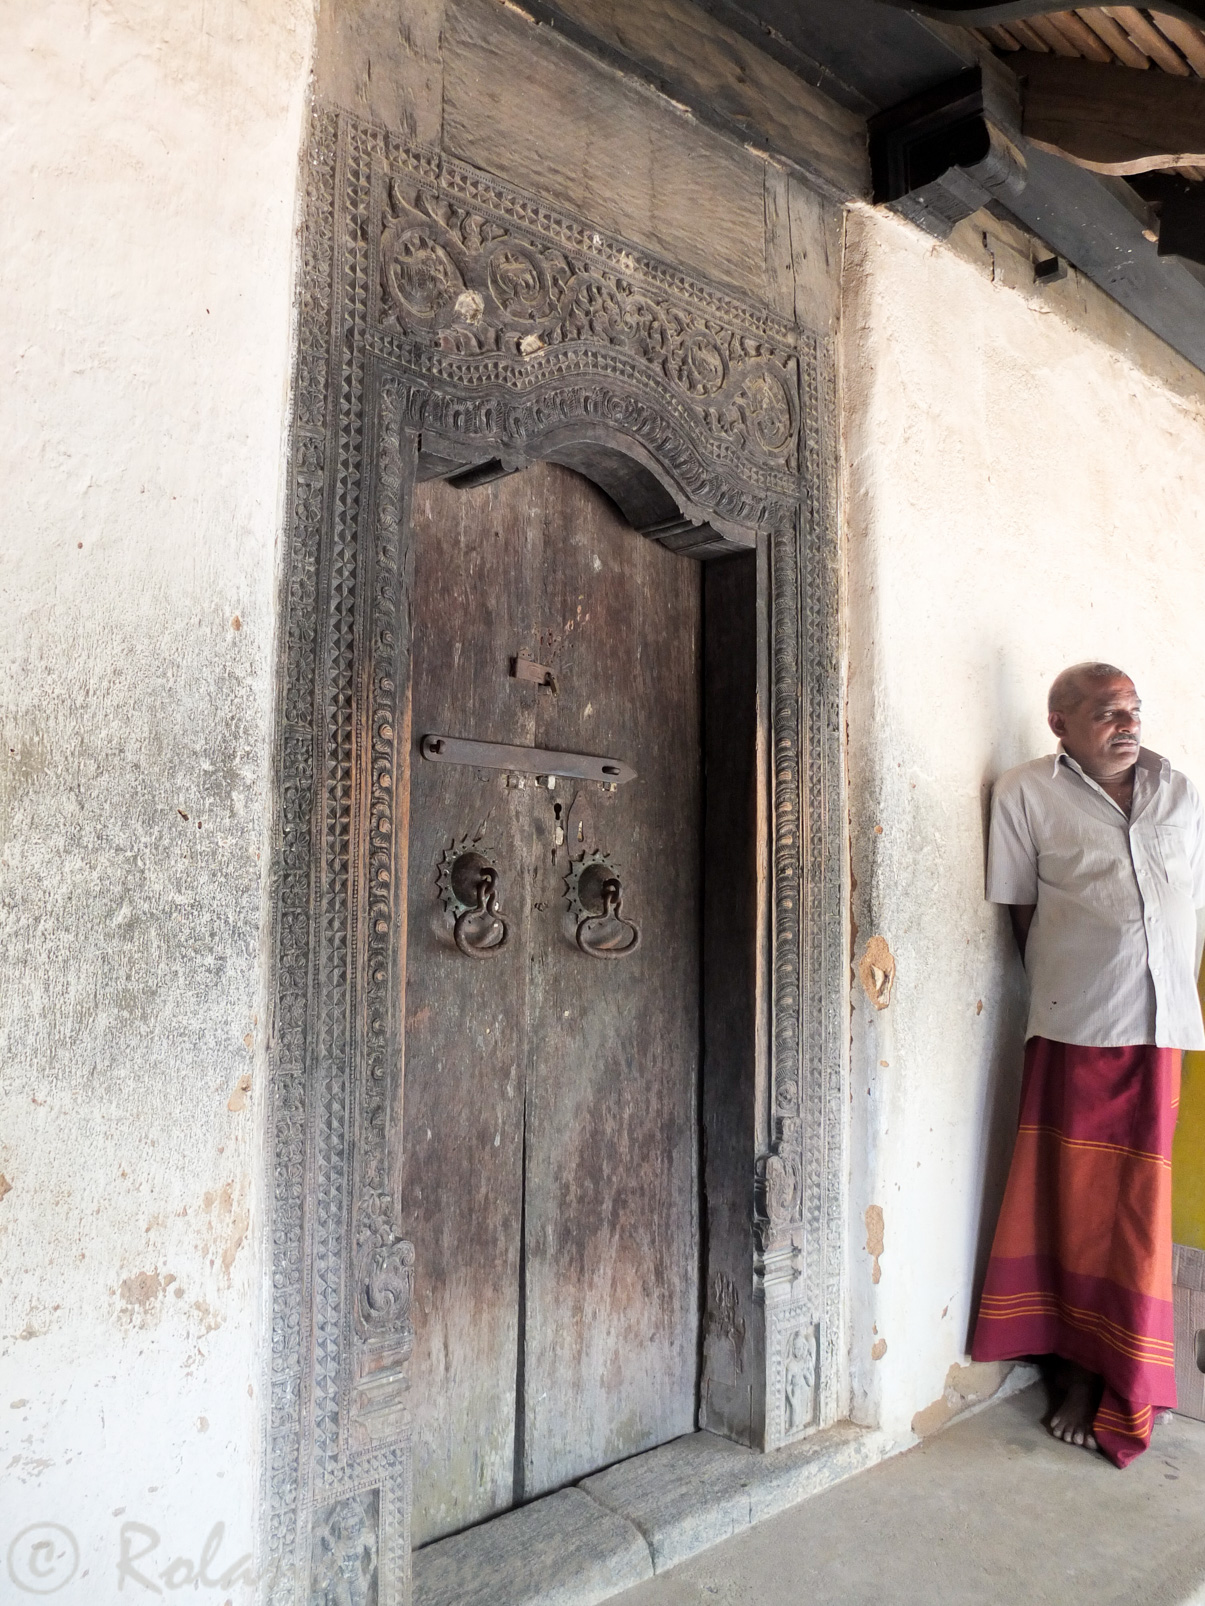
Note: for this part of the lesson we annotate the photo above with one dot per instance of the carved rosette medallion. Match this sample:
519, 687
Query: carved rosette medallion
435, 298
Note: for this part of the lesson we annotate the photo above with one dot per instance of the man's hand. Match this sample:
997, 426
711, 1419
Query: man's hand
1021, 915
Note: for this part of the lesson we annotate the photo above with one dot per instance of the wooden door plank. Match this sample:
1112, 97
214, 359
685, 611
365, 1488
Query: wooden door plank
461, 1183
581, 137
611, 1274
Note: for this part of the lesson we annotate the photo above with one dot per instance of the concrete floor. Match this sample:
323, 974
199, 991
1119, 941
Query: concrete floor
991, 1510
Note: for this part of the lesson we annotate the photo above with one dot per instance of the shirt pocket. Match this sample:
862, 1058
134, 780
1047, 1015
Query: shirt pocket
1173, 852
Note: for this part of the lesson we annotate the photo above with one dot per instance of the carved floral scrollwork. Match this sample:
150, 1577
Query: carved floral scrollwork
700, 367
384, 1273
764, 408
471, 287
519, 283
420, 276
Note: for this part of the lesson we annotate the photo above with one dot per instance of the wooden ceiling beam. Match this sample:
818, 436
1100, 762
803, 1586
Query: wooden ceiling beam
1109, 119
1000, 37
1028, 35
981, 13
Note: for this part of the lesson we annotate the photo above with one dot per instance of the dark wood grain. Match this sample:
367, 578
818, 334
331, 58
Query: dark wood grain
612, 1287
466, 1020
521, 102
734, 86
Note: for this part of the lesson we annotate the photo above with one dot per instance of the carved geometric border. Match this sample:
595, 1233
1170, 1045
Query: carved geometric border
394, 338
808, 963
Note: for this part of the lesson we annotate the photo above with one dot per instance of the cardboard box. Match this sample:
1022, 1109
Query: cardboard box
1188, 1278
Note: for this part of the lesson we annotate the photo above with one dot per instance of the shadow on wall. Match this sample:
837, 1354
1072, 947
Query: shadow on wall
1001, 1101
1015, 740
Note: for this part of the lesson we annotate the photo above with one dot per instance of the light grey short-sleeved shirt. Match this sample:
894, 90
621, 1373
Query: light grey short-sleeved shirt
1111, 953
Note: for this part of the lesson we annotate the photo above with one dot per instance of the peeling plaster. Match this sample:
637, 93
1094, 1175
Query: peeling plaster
238, 1099
874, 1238
876, 972
965, 1386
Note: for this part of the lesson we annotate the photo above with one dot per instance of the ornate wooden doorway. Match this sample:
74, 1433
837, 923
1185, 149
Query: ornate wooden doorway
549, 1179
453, 326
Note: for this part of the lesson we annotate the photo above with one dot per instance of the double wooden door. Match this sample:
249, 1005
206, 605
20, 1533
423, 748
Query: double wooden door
550, 1161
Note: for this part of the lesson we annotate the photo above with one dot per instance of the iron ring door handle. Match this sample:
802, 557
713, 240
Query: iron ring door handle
496, 934
601, 936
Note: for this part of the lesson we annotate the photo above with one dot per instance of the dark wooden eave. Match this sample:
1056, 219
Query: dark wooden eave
1093, 221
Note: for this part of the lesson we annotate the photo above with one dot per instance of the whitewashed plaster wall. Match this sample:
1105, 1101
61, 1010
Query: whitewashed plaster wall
150, 154
1018, 496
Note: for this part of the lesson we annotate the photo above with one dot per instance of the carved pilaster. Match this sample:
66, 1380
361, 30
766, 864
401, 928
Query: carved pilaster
799, 1183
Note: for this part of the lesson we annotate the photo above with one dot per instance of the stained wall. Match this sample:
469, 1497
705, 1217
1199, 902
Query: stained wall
150, 157
1024, 488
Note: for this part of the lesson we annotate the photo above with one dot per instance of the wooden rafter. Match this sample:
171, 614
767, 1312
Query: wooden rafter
1121, 34
985, 13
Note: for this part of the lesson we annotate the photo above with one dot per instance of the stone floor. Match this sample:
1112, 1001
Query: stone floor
991, 1510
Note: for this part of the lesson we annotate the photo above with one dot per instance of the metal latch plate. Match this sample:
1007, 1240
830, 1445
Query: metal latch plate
525, 760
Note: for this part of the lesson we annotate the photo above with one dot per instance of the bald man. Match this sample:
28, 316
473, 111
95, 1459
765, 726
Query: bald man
1099, 853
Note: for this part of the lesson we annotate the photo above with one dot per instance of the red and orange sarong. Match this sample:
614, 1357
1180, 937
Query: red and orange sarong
1081, 1264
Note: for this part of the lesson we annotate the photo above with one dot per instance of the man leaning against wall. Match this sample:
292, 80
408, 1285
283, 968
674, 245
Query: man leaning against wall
1099, 852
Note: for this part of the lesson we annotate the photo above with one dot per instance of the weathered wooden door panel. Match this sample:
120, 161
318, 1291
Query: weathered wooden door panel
550, 1168
466, 1019
611, 1284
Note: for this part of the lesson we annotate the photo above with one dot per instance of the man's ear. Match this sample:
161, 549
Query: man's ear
1057, 723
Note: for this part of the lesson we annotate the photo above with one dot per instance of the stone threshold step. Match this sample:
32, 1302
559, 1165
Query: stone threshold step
619, 1527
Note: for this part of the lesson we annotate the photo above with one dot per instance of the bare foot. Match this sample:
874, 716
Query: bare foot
1072, 1421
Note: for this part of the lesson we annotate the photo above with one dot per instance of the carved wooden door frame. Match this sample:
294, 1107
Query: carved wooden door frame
444, 313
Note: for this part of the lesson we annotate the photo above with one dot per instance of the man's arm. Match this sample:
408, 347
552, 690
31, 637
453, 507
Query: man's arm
1012, 859
1021, 915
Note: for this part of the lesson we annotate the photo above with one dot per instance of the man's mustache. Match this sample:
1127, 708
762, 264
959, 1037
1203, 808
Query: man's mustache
1123, 739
